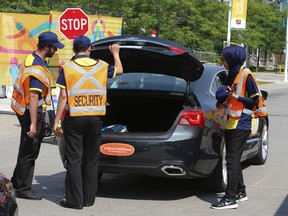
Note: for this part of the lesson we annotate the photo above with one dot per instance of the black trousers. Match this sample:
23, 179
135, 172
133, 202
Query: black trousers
28, 152
82, 140
235, 141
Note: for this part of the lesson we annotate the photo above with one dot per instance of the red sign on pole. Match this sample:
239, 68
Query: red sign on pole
73, 22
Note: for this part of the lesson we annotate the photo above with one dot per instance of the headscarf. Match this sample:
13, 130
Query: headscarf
235, 57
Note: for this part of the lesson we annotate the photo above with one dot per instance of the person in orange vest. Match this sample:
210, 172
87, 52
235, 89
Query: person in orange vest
240, 97
83, 83
30, 91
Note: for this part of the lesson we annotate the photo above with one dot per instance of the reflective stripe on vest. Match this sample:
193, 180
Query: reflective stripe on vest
18, 103
44, 79
36, 71
261, 109
248, 111
236, 108
17, 107
20, 93
20, 98
89, 94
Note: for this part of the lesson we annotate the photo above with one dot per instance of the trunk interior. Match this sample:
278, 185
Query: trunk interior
143, 111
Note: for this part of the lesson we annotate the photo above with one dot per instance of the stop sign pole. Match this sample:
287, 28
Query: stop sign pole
73, 22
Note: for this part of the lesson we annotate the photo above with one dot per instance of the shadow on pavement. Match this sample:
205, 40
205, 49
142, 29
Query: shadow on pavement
141, 187
283, 209
50, 187
125, 186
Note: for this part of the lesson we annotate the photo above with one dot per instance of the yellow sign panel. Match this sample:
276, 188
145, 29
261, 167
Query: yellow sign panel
239, 14
19, 37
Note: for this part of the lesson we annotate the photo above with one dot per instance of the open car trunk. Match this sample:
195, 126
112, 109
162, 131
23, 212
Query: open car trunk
143, 111
147, 111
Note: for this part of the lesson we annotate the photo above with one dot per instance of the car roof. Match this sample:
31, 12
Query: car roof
212, 68
150, 55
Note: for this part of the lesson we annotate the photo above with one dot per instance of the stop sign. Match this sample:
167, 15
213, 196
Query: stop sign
73, 22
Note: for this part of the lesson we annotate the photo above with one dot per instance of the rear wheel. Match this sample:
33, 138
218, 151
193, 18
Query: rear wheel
217, 181
262, 154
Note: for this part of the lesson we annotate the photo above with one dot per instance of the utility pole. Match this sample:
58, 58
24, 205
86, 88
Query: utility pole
228, 39
229, 24
284, 6
157, 16
286, 54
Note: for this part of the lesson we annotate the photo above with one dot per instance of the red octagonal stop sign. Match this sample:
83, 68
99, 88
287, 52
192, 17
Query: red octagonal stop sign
73, 22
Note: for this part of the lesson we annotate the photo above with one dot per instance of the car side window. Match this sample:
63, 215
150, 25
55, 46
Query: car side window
218, 81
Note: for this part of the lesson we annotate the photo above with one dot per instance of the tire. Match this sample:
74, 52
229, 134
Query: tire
49, 120
217, 181
100, 174
47, 130
262, 154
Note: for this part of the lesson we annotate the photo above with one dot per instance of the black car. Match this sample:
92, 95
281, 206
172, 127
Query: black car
161, 115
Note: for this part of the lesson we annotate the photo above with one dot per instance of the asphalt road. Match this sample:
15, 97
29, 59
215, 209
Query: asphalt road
136, 195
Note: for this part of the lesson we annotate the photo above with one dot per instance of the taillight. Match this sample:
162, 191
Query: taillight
192, 118
177, 50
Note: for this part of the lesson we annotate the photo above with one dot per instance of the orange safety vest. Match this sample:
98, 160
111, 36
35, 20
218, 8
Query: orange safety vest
20, 97
235, 107
86, 88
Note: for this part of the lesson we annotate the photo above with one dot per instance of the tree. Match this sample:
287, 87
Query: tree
198, 25
264, 29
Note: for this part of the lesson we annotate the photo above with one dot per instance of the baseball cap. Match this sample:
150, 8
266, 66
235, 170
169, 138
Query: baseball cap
81, 41
50, 38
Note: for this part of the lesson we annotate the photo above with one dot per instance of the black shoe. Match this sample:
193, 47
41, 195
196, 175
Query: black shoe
241, 196
67, 205
225, 203
88, 204
28, 195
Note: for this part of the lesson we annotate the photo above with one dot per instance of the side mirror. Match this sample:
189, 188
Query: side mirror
264, 94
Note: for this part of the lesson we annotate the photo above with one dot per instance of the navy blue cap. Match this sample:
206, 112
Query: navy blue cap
81, 41
50, 38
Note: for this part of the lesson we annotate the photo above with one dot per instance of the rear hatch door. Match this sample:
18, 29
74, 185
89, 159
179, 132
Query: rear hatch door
150, 54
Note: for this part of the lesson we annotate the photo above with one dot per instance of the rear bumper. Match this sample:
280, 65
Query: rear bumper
168, 157
202, 167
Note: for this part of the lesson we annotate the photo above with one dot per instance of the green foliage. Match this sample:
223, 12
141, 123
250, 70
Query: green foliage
197, 24
264, 29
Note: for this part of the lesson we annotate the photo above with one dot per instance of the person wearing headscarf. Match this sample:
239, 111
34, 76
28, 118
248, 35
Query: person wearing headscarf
239, 96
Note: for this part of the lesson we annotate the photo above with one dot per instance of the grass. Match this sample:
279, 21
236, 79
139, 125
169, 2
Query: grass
263, 82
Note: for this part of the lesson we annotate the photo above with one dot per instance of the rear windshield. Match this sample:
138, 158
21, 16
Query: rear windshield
147, 81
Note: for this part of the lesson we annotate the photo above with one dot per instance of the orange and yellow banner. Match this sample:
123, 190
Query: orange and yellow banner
19, 37
239, 14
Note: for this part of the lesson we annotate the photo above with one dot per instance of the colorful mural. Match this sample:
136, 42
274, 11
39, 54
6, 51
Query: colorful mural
19, 32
